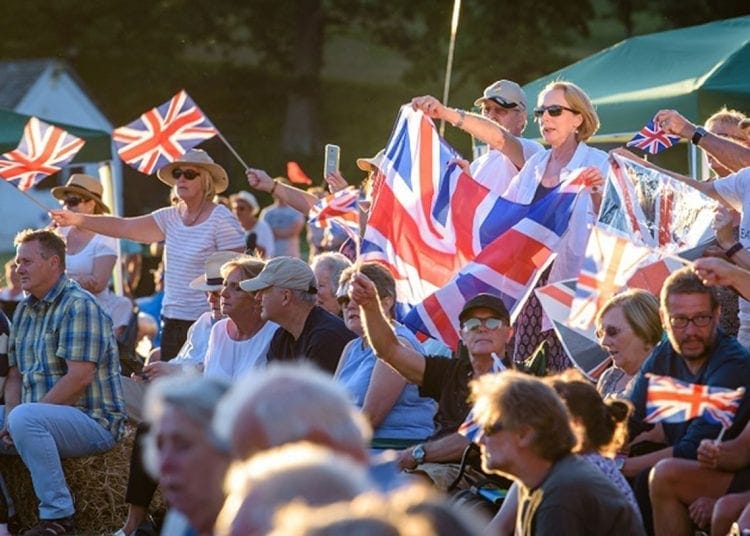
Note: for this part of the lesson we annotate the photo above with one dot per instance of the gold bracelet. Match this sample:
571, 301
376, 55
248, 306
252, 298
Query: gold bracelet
273, 188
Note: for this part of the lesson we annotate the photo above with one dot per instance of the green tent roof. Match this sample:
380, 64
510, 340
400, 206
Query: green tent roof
694, 70
96, 149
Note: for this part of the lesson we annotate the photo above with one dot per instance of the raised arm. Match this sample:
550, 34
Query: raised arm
292, 196
494, 135
407, 362
385, 387
732, 156
139, 229
717, 271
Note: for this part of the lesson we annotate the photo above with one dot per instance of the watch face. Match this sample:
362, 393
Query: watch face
418, 453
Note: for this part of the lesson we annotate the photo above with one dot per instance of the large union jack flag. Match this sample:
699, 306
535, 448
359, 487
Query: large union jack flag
44, 149
163, 134
652, 139
671, 400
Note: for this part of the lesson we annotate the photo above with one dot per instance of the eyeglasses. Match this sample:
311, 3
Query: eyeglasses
189, 174
700, 321
473, 324
492, 429
72, 201
554, 110
609, 331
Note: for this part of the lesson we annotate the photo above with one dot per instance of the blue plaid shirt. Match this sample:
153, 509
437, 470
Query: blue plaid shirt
68, 325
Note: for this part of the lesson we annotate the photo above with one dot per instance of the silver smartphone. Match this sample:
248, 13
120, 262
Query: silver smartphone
333, 152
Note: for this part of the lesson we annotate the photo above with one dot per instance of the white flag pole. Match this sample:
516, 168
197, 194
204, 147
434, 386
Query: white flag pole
449, 65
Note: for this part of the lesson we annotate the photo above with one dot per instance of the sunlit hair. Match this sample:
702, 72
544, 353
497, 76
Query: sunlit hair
332, 262
685, 281
193, 395
291, 402
641, 311
578, 101
725, 119
380, 276
273, 478
604, 422
518, 400
250, 266
50, 243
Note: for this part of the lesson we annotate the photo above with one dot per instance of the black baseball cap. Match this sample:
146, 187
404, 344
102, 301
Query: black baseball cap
486, 301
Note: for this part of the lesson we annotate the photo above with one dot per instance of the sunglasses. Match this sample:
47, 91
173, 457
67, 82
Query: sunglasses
491, 429
554, 110
508, 105
473, 324
608, 331
700, 321
189, 174
72, 201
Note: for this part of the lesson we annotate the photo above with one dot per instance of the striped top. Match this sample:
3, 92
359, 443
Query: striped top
185, 252
68, 325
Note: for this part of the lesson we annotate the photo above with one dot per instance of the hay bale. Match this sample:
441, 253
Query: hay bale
97, 482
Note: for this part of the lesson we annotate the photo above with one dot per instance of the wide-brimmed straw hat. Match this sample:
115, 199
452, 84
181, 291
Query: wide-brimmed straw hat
370, 164
200, 159
85, 186
212, 280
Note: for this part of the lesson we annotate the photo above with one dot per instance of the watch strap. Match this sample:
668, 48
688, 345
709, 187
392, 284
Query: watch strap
734, 249
698, 135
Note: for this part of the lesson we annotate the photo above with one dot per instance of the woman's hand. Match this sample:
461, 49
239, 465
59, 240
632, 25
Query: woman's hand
336, 182
723, 226
260, 180
66, 218
593, 179
671, 122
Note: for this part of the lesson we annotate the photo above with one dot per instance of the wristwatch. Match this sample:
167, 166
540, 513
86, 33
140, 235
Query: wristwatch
698, 135
418, 453
734, 249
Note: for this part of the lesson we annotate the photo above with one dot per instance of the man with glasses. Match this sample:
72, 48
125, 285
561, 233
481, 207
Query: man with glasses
527, 437
696, 351
500, 125
485, 330
287, 293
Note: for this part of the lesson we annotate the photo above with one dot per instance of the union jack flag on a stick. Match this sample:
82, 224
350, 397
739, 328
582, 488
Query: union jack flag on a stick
338, 208
44, 149
671, 400
163, 134
652, 139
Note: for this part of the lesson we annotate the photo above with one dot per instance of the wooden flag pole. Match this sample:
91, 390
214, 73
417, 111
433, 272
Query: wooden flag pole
449, 65
229, 146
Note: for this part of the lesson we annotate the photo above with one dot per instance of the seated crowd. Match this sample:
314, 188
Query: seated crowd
287, 398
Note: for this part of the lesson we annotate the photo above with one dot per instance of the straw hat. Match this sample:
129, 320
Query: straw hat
85, 186
200, 159
212, 280
371, 164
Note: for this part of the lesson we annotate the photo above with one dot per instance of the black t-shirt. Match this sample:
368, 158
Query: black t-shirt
4, 335
322, 340
447, 382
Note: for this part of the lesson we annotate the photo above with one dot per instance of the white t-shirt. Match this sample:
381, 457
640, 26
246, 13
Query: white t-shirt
194, 350
735, 190
119, 308
283, 218
264, 238
228, 359
494, 170
186, 249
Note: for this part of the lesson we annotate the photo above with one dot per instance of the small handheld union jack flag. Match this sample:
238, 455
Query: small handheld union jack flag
163, 134
339, 208
671, 400
43, 150
652, 139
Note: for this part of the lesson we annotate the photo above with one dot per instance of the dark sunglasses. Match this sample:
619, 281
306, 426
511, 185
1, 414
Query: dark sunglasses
189, 174
554, 110
491, 429
609, 331
490, 323
72, 201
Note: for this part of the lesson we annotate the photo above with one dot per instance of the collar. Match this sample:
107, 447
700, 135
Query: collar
53, 293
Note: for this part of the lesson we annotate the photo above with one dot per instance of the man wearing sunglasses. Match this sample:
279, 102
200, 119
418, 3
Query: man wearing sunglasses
698, 352
500, 125
485, 330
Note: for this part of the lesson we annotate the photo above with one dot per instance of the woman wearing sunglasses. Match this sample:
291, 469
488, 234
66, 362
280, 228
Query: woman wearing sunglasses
566, 120
628, 327
192, 229
398, 415
90, 257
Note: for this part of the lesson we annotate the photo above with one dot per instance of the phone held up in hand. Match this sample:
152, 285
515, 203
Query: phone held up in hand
333, 152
